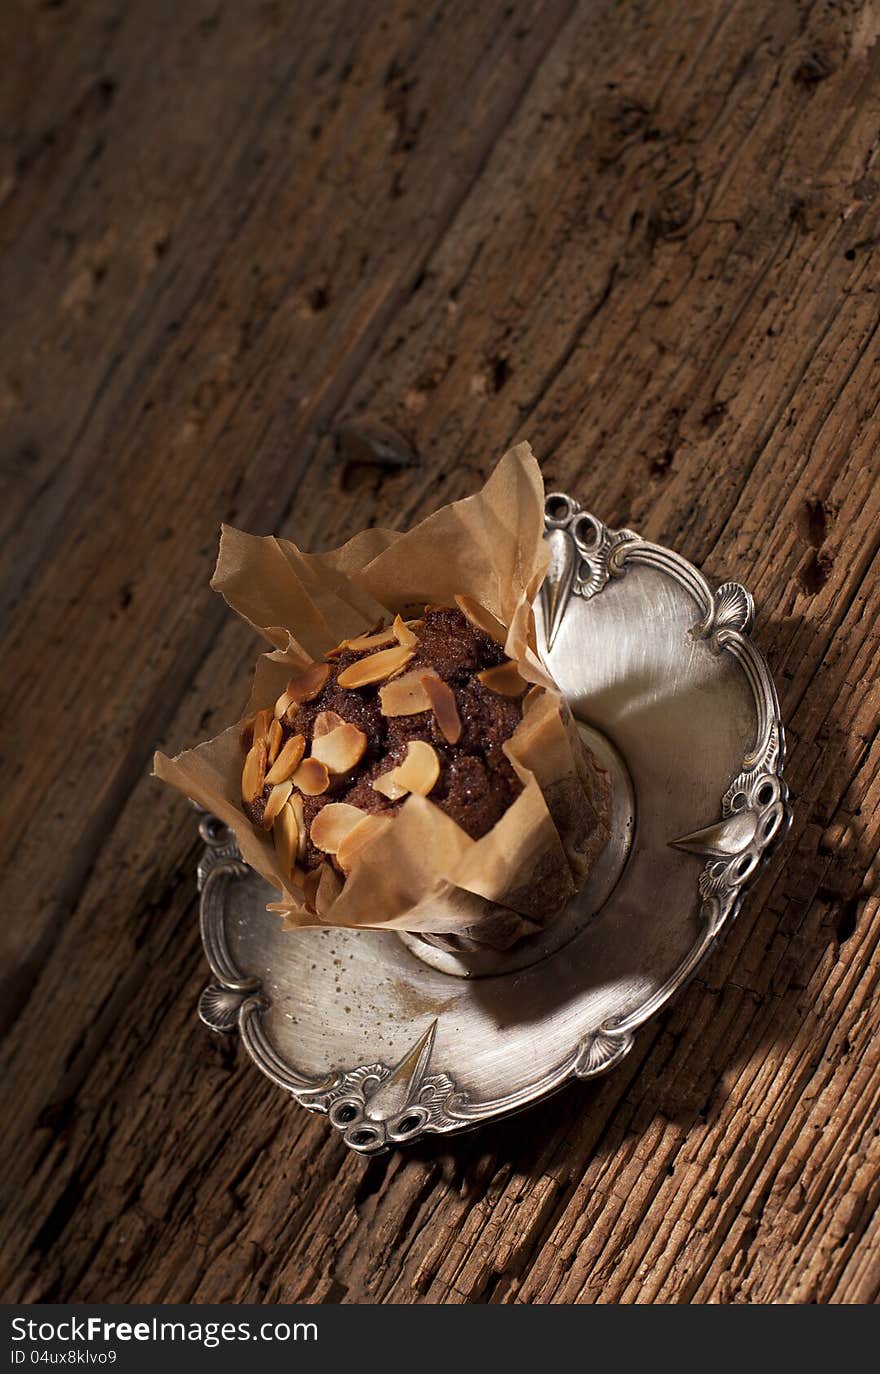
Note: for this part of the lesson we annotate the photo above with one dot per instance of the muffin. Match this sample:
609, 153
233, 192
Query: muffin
424, 706
406, 762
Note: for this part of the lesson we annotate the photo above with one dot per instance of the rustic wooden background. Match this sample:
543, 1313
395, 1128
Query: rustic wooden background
239, 240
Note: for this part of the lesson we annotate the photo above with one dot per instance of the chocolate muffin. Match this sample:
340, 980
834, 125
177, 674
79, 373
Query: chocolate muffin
421, 706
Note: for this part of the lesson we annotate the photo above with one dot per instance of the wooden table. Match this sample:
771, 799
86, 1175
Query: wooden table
240, 241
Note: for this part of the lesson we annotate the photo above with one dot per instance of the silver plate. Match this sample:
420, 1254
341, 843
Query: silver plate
355, 1024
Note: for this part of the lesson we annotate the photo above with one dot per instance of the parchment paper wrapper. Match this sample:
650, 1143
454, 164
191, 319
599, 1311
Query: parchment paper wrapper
421, 872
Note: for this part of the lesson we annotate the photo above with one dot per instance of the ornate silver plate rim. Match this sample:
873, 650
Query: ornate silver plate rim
376, 1105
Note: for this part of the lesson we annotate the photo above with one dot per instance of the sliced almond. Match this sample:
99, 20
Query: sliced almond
262, 721
311, 777
274, 802
418, 772
420, 769
341, 749
254, 772
405, 696
304, 686
285, 833
307, 684
287, 761
354, 841
404, 634
483, 619
326, 721
375, 668
389, 786
374, 640
505, 680
283, 704
332, 823
442, 699
274, 740
296, 805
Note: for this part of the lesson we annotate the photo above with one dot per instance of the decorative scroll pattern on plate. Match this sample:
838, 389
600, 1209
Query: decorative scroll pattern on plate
754, 809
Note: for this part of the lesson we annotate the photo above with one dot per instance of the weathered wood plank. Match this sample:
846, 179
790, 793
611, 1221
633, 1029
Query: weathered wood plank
642, 238
202, 385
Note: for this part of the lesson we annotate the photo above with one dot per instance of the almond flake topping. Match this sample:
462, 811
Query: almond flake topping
285, 833
442, 699
374, 640
404, 634
287, 761
311, 778
274, 802
375, 668
274, 740
405, 696
340, 749
283, 704
333, 823
296, 805
261, 726
326, 721
505, 680
254, 772
418, 773
305, 686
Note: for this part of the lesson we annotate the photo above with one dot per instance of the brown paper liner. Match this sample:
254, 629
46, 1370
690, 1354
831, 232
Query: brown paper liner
421, 872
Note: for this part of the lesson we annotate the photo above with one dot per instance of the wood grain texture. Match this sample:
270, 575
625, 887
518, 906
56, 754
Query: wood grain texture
643, 237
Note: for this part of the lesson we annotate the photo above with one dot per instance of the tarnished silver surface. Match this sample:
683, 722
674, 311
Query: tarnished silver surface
352, 1023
